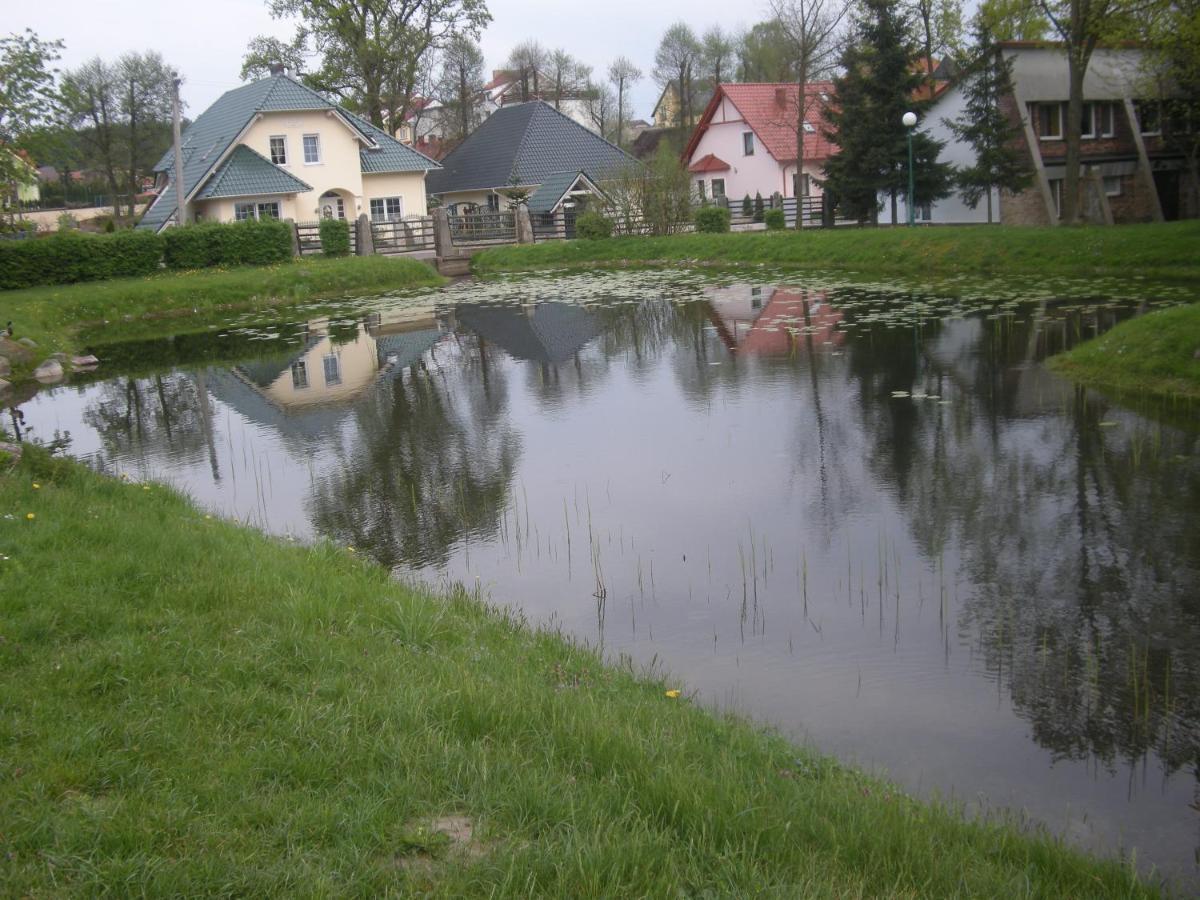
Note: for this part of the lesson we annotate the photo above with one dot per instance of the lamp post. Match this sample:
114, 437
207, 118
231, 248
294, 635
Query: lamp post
910, 120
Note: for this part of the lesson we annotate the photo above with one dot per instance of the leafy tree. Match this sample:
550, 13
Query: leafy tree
369, 53
813, 30
716, 55
765, 54
937, 29
460, 85
1173, 70
527, 61
568, 76
1013, 20
1081, 25
26, 95
144, 101
622, 75
880, 83
999, 161
676, 61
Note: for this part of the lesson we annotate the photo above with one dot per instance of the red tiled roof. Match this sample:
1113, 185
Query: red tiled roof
770, 111
709, 163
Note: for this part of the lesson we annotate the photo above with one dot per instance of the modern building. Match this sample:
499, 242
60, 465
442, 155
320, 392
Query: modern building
1129, 170
276, 148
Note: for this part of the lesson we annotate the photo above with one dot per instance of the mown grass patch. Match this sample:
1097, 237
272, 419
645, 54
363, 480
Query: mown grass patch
53, 316
190, 707
1156, 354
1162, 251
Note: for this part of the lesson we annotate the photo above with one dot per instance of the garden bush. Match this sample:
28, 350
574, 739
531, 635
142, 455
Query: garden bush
72, 256
747, 207
758, 208
335, 237
593, 225
775, 219
252, 242
712, 219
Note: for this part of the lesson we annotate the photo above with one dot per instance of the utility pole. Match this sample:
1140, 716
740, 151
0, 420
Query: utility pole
180, 193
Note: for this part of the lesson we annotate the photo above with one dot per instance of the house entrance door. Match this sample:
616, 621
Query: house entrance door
1167, 185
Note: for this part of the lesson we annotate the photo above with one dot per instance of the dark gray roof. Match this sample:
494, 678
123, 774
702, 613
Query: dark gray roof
552, 334
246, 173
525, 143
209, 137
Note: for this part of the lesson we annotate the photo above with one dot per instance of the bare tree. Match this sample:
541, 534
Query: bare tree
622, 75
600, 102
938, 28
460, 86
567, 74
813, 29
717, 47
675, 61
527, 60
1082, 24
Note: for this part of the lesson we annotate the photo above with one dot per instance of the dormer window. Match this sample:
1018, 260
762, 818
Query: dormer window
809, 129
279, 149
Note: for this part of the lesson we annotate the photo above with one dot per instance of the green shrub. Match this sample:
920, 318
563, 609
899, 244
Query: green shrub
593, 225
747, 207
758, 208
335, 237
252, 242
72, 256
712, 219
775, 219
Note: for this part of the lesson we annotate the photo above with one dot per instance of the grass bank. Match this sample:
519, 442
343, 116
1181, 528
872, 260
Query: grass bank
1166, 251
190, 707
54, 315
1153, 354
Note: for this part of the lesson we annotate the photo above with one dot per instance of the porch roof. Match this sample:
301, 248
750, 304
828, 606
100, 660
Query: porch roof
247, 173
554, 190
709, 163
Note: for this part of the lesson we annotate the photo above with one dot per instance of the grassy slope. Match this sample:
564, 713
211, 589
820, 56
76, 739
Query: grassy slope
189, 707
53, 315
1160, 251
1152, 354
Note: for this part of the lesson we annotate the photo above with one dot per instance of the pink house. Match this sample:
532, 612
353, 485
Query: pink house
745, 143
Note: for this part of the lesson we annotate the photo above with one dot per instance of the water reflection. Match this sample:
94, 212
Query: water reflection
871, 516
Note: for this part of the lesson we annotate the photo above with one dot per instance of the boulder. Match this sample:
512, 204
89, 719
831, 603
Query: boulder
15, 352
84, 362
4, 387
5, 367
28, 342
49, 372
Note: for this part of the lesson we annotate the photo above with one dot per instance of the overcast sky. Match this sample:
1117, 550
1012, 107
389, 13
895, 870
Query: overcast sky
205, 39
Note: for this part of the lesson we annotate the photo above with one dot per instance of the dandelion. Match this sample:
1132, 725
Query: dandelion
208, 517
673, 694
145, 487
36, 486
30, 516
350, 549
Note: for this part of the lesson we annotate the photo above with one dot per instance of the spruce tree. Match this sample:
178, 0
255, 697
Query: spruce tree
758, 207
999, 161
747, 207
881, 81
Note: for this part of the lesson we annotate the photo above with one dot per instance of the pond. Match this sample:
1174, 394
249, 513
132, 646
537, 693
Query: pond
864, 514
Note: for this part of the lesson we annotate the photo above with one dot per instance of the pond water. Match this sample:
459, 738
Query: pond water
867, 515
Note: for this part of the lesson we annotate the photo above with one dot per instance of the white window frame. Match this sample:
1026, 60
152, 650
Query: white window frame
304, 144
1110, 179
747, 143
1088, 121
271, 149
1111, 131
258, 209
299, 375
336, 359
715, 192
252, 209
387, 216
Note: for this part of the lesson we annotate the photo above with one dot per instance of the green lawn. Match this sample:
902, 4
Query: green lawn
54, 315
188, 707
1167, 251
1153, 354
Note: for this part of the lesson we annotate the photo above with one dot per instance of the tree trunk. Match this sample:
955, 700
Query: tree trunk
894, 220
989, 204
801, 104
620, 112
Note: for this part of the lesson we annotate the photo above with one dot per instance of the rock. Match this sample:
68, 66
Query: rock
61, 357
49, 372
84, 362
15, 352
5, 367
4, 386
28, 342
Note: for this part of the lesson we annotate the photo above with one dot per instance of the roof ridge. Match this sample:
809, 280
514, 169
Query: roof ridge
585, 129
513, 177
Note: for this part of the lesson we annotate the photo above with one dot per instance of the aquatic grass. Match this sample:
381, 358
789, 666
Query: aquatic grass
53, 316
1155, 354
191, 707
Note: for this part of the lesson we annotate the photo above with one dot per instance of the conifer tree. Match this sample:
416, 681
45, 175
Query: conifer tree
881, 81
999, 161
758, 207
747, 207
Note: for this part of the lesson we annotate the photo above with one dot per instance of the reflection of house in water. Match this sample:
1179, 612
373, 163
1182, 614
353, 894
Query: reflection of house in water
758, 319
308, 392
549, 333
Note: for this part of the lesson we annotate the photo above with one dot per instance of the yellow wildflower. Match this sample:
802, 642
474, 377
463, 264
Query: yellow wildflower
30, 516
674, 695
36, 486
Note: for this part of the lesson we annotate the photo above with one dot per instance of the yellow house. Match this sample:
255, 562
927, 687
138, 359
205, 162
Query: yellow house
278, 148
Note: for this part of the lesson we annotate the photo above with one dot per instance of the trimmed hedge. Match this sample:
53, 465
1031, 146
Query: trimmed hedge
775, 219
592, 225
335, 237
72, 256
249, 243
712, 219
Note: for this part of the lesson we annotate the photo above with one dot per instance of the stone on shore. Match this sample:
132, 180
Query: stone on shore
84, 362
14, 351
49, 372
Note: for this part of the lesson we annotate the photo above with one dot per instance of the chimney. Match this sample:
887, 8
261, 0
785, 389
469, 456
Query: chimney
278, 69
781, 96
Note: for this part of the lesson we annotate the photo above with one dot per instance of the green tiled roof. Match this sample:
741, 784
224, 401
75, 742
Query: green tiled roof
209, 137
247, 173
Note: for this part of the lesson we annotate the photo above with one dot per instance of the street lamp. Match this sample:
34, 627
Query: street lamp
910, 120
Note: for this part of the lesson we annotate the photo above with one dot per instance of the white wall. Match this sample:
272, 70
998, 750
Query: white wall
757, 174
